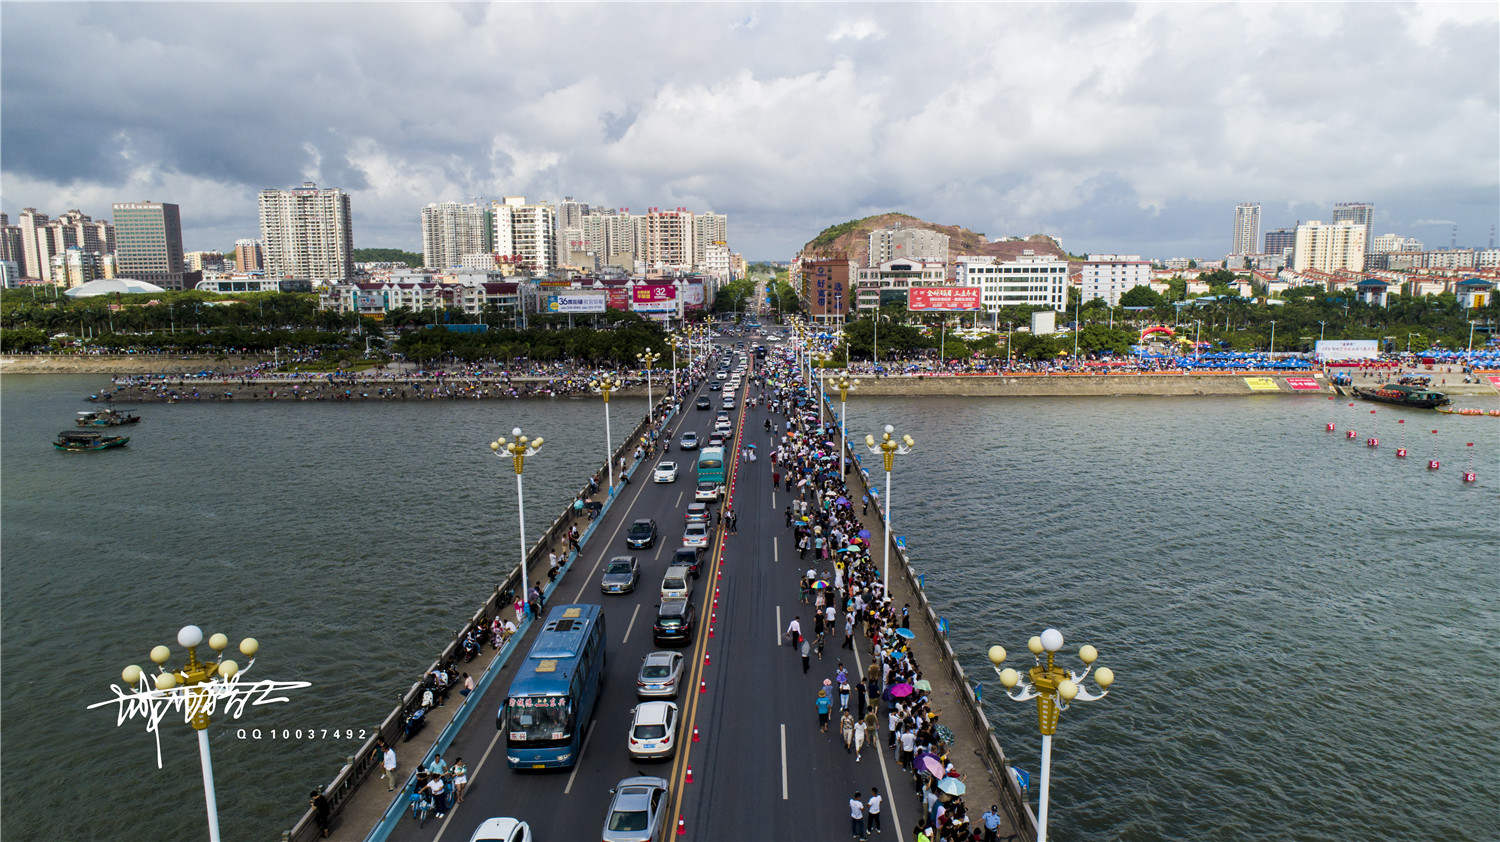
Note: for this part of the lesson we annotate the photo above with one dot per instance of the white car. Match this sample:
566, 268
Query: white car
653, 733
665, 472
695, 535
723, 426
502, 830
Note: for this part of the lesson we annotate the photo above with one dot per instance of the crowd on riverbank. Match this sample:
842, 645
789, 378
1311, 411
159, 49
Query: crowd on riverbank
844, 592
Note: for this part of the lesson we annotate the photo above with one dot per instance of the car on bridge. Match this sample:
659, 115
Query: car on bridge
689, 440
696, 512
653, 733
695, 535
621, 575
502, 830
638, 812
677, 582
714, 386
703, 402
689, 557
660, 675
665, 472
707, 492
642, 534
675, 619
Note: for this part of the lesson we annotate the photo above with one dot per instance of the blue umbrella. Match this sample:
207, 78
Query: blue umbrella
906, 633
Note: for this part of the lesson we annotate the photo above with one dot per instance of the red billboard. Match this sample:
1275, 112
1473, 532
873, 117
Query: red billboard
943, 299
653, 297
618, 298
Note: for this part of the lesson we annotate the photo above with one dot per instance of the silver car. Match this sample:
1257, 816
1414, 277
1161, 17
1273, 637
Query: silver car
638, 811
621, 575
653, 731
659, 676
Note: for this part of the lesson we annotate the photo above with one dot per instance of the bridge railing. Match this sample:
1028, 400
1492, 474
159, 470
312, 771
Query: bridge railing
359, 766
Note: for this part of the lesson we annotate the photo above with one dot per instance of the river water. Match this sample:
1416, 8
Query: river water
1303, 629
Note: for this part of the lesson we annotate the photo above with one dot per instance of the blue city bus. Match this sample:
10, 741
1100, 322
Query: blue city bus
711, 465
551, 700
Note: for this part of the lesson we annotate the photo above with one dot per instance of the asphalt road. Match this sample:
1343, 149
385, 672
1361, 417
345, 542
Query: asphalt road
762, 769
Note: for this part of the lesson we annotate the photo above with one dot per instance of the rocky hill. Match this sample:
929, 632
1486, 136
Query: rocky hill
852, 238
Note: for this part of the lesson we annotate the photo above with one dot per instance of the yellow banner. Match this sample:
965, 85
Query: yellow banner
1262, 384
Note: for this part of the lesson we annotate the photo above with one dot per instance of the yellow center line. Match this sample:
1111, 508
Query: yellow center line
690, 720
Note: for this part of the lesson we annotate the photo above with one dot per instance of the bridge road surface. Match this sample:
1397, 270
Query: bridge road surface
762, 770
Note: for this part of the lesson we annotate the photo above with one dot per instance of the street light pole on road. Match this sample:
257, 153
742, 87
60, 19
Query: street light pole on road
518, 450
1046, 684
888, 448
844, 384
603, 384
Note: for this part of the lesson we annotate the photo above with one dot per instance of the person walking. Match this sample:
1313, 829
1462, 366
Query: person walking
387, 764
806, 653
857, 816
460, 779
823, 703
991, 821
872, 809
794, 631
859, 737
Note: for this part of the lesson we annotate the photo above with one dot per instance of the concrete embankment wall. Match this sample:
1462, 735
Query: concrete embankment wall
1075, 385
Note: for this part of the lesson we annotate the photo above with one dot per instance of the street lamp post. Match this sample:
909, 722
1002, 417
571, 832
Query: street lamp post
603, 384
1046, 684
1273, 337
673, 342
1321, 326
1197, 335
648, 359
844, 384
518, 450
195, 678
822, 358
888, 448
1408, 341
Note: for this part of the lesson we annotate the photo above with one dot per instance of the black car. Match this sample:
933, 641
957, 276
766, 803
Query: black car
703, 402
690, 557
642, 534
714, 385
674, 621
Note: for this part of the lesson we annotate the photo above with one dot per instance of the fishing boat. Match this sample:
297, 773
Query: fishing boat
107, 417
80, 440
1417, 396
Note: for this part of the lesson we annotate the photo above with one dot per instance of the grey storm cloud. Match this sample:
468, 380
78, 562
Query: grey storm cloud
1115, 127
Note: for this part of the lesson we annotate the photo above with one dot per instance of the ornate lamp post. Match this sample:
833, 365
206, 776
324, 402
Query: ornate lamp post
196, 688
821, 358
603, 384
844, 384
648, 359
1047, 682
518, 450
888, 448
673, 341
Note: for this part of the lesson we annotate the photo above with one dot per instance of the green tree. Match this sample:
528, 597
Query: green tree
1140, 296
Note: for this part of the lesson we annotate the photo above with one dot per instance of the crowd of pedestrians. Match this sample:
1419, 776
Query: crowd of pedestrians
886, 706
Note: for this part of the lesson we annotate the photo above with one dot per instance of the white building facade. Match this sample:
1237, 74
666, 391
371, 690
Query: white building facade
1040, 280
450, 231
1109, 276
527, 233
1246, 227
915, 244
896, 276
1329, 248
307, 233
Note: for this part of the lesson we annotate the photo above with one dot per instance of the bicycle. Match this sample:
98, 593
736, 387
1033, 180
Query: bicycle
421, 807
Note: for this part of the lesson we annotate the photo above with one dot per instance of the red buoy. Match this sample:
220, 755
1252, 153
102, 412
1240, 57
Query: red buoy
1469, 475
1401, 451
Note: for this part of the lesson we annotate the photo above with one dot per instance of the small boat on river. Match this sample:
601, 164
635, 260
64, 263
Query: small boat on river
1415, 394
107, 417
77, 441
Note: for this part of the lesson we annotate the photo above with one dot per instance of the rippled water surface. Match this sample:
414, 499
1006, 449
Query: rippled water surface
1303, 628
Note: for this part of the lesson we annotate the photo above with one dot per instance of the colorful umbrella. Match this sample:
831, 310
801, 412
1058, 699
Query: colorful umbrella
864, 533
819, 585
952, 786
901, 691
922, 684
931, 764
842, 501
906, 633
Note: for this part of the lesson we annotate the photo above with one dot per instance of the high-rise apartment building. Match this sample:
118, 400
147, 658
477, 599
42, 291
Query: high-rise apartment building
307, 233
670, 239
12, 249
248, 256
709, 229
901, 243
148, 243
1278, 240
525, 232
1246, 227
1109, 276
451, 230
1359, 213
36, 260
1329, 248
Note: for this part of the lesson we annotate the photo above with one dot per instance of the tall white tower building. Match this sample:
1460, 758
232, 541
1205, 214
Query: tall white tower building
307, 233
450, 231
1246, 227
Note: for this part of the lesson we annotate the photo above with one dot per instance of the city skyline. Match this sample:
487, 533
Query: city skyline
1113, 128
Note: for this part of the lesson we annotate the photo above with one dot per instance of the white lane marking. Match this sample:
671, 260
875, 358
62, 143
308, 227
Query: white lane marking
775, 553
473, 776
885, 774
679, 499
777, 630
773, 499
631, 624
783, 762
612, 536
578, 761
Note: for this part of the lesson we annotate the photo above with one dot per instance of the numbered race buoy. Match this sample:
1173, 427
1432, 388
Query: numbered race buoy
1331, 426
1433, 464
1469, 475
1373, 440
1401, 450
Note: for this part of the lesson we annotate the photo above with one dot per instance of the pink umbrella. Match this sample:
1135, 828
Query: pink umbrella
931, 764
901, 691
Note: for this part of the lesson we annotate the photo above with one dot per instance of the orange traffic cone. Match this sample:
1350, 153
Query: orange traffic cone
705, 659
695, 733
703, 686
689, 774
681, 826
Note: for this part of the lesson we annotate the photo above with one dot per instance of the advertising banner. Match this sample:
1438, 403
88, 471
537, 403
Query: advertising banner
653, 298
693, 297
1347, 349
619, 298
1261, 384
577, 303
943, 299
1302, 384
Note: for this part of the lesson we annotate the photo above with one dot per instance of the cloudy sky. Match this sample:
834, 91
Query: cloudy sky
1120, 128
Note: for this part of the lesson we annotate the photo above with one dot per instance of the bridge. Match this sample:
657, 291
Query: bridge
759, 768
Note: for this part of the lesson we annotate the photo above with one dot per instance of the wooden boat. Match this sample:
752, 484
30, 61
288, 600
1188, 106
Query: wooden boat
1418, 397
76, 441
107, 417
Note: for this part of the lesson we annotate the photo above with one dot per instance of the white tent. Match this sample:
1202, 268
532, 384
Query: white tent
111, 286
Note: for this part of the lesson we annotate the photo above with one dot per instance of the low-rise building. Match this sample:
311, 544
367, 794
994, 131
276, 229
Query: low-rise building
890, 281
1109, 276
1040, 280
